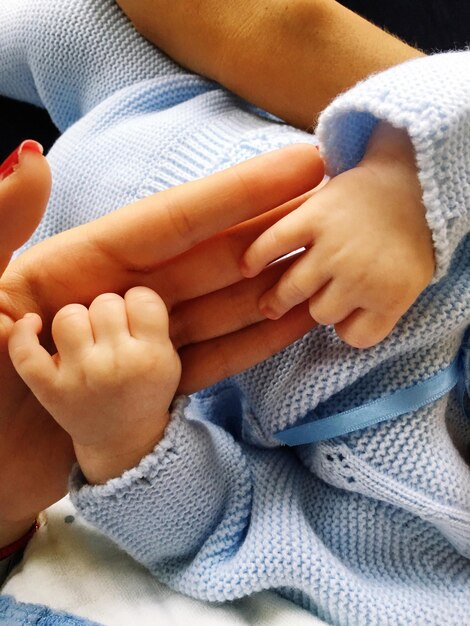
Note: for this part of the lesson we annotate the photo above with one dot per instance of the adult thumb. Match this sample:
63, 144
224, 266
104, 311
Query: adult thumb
25, 183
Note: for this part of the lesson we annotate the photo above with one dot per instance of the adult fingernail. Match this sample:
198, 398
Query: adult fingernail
11, 163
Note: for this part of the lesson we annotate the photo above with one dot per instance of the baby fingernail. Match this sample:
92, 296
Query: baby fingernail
11, 162
268, 311
245, 269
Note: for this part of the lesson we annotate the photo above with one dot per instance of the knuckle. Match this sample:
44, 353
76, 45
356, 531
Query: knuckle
358, 335
150, 359
363, 277
104, 298
182, 224
97, 373
49, 395
350, 337
290, 290
322, 317
397, 297
274, 237
143, 294
67, 312
21, 356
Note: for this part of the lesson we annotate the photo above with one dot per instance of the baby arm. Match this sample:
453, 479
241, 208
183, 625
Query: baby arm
112, 380
369, 250
322, 48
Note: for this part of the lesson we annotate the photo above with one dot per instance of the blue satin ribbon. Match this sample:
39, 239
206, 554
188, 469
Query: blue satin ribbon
387, 408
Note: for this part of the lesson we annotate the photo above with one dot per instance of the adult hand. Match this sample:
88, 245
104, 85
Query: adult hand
35, 454
183, 244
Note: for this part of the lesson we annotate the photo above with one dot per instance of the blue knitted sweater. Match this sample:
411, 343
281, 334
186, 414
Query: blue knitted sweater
14, 613
372, 528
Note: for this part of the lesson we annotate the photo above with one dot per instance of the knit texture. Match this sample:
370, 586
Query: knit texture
369, 529
433, 110
143, 124
14, 613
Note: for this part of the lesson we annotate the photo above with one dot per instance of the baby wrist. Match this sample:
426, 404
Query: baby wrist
100, 463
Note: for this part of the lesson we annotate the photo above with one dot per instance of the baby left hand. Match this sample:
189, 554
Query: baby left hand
368, 249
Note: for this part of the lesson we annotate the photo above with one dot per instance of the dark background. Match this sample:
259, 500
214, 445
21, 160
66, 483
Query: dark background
432, 25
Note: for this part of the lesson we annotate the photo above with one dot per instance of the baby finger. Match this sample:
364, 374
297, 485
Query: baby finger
331, 304
364, 329
299, 283
147, 314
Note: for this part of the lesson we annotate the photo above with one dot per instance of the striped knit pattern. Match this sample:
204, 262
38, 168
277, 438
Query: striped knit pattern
369, 529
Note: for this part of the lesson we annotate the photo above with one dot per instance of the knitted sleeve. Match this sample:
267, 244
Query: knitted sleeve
69, 55
182, 511
430, 98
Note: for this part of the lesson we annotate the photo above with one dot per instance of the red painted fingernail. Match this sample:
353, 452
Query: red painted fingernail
11, 163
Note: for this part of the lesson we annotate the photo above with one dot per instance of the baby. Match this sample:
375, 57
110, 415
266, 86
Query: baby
364, 527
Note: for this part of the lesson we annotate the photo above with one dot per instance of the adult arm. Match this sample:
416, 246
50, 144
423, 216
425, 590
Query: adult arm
290, 58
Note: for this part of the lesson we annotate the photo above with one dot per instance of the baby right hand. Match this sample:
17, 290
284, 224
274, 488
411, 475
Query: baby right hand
112, 381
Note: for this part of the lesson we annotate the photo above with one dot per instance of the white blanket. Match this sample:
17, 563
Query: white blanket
69, 566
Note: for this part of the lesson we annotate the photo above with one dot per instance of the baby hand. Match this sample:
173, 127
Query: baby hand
112, 380
368, 248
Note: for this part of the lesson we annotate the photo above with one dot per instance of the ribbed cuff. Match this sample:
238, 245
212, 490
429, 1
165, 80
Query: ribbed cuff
429, 98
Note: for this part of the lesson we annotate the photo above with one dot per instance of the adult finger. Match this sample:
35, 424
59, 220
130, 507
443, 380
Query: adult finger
233, 353
224, 311
25, 183
135, 245
164, 225
71, 268
215, 263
